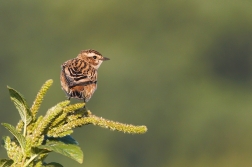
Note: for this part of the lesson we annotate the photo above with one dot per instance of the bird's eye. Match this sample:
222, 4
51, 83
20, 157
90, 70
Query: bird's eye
94, 57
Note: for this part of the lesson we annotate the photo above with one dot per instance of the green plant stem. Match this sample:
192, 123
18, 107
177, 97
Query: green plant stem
25, 126
32, 158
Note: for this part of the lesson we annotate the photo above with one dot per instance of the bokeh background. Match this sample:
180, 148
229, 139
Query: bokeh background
182, 68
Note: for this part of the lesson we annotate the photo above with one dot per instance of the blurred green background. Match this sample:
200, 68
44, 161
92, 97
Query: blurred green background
182, 68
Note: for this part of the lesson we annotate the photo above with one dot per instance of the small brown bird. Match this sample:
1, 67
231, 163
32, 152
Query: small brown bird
79, 75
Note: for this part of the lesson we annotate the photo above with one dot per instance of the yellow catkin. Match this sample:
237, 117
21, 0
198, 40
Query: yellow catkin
112, 125
99, 121
72, 108
39, 98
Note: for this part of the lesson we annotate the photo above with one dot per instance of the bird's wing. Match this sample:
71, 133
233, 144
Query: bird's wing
76, 74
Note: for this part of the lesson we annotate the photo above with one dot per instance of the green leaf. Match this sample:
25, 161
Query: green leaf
54, 164
66, 139
19, 137
6, 162
70, 150
39, 151
21, 105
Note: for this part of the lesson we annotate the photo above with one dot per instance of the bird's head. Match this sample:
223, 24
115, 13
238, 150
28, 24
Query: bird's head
93, 57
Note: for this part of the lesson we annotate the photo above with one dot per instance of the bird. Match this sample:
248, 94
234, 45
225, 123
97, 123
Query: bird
79, 75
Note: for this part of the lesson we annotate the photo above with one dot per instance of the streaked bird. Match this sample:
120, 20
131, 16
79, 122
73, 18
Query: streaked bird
79, 75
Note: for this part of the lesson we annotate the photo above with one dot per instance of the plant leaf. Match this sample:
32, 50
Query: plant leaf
70, 150
21, 105
66, 139
6, 162
19, 137
54, 164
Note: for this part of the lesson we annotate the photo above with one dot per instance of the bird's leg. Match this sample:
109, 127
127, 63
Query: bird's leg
85, 104
86, 112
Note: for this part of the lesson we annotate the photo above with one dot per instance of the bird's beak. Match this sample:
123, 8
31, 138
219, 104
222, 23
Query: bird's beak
105, 58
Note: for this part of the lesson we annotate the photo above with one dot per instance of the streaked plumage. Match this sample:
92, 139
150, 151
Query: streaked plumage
79, 75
